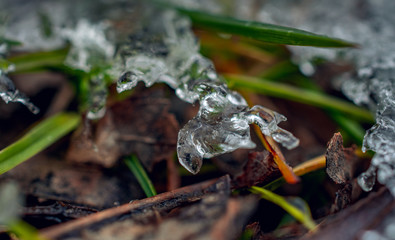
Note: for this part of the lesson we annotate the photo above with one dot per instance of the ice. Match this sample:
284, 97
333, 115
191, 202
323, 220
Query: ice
97, 97
223, 119
90, 46
370, 23
23, 22
160, 48
8, 92
90, 49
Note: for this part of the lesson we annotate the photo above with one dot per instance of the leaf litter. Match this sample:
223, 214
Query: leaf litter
171, 57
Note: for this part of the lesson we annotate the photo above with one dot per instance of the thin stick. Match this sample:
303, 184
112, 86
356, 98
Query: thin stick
161, 201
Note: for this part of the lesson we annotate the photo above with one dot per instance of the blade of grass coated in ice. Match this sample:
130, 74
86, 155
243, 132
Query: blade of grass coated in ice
261, 31
37, 139
303, 217
289, 92
138, 171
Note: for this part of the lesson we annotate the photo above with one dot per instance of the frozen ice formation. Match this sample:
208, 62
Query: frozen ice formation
8, 91
379, 86
89, 45
222, 123
48, 25
161, 48
370, 23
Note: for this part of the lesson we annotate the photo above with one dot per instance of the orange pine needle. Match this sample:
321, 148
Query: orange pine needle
278, 157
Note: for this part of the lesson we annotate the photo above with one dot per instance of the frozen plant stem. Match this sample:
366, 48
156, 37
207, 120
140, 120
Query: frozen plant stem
138, 171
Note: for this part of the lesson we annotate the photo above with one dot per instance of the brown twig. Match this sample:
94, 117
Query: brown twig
167, 200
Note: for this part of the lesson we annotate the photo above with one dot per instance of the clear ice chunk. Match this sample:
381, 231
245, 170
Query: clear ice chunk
223, 119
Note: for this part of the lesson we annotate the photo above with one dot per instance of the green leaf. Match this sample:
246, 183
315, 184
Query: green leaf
37, 139
260, 31
311, 97
300, 213
137, 169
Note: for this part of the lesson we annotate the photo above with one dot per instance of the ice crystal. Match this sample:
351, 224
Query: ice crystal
222, 123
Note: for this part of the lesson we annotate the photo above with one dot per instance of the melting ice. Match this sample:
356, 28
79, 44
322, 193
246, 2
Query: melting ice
222, 123
162, 48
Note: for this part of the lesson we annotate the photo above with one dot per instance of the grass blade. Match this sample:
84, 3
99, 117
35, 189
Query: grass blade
38, 60
260, 31
303, 217
24, 231
37, 139
137, 169
289, 92
303, 168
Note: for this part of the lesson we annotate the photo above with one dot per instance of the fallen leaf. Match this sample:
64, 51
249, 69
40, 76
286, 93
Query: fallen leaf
340, 161
259, 168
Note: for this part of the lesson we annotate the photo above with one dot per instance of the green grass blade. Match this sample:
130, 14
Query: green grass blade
303, 217
137, 169
24, 231
37, 139
9, 42
287, 70
289, 92
260, 31
38, 60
